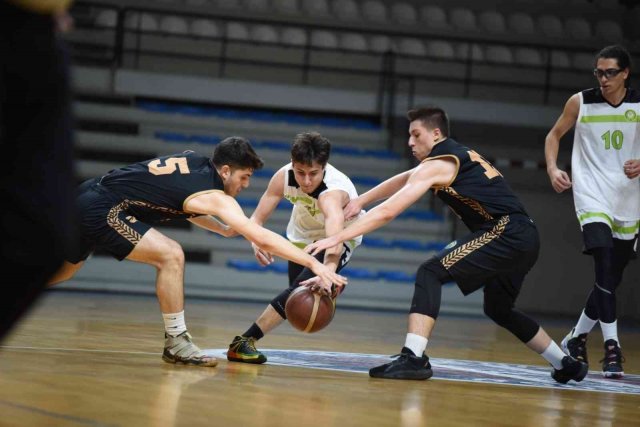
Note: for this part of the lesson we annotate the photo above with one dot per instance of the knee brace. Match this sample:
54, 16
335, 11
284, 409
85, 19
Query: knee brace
279, 302
607, 279
499, 308
430, 277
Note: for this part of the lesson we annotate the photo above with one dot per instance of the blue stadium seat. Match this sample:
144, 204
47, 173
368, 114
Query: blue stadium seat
358, 273
376, 242
205, 139
244, 265
365, 180
279, 267
412, 245
259, 115
171, 136
396, 276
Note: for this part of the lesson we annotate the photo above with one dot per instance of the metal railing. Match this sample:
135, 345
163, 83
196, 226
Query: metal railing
390, 76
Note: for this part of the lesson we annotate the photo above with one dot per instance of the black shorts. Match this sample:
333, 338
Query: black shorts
105, 223
503, 251
599, 235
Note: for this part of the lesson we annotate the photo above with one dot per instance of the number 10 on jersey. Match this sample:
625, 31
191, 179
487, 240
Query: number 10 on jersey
614, 139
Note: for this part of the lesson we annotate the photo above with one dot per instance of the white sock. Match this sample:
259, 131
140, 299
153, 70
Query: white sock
174, 323
610, 331
584, 325
416, 343
553, 355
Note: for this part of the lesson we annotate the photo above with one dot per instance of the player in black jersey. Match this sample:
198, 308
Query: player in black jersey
496, 255
118, 210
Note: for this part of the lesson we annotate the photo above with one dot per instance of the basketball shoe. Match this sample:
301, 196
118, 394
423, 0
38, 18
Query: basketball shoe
613, 359
572, 369
575, 347
243, 349
407, 366
181, 349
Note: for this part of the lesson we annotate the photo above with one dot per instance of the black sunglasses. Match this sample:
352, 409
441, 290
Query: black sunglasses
608, 73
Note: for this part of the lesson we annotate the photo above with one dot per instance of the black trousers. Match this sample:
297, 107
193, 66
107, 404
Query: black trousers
36, 177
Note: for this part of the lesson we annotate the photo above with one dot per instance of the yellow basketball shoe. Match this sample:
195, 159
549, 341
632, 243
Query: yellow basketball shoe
243, 349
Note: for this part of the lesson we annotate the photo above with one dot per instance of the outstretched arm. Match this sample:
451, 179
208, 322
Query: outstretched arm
424, 176
227, 208
331, 203
211, 223
560, 180
381, 191
268, 202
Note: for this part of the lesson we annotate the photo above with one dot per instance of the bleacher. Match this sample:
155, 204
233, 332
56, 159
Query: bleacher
148, 129
155, 77
479, 50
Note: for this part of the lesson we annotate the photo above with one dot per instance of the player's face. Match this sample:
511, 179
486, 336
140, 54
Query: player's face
608, 66
236, 180
421, 139
308, 177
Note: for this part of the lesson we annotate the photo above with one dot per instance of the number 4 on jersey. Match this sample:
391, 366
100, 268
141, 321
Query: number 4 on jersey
490, 171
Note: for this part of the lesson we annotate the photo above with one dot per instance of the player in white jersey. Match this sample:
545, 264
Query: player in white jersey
606, 191
318, 192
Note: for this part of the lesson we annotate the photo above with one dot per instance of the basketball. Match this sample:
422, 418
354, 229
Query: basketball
308, 311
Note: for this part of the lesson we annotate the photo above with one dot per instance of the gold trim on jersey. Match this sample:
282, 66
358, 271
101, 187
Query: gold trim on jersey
194, 195
121, 227
456, 255
454, 175
157, 208
473, 204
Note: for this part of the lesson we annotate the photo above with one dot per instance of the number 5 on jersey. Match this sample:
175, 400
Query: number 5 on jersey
171, 165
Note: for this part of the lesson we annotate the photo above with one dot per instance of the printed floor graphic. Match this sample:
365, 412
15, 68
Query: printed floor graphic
450, 370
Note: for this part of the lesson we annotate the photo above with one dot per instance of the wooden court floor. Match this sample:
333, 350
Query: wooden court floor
94, 359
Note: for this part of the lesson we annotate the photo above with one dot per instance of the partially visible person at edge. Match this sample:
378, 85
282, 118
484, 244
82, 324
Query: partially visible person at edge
36, 135
605, 167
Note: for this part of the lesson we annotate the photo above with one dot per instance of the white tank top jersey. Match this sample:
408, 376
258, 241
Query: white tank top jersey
605, 137
306, 224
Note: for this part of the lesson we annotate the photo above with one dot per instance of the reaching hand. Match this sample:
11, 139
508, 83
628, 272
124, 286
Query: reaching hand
352, 209
632, 168
316, 285
560, 180
327, 276
263, 257
316, 247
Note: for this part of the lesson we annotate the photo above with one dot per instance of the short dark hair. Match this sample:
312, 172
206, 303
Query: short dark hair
309, 147
431, 117
617, 52
236, 152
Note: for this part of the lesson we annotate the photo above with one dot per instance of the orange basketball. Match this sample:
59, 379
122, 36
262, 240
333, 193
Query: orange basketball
308, 311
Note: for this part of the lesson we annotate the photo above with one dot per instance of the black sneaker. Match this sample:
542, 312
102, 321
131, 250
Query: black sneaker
613, 359
407, 366
572, 369
575, 347
243, 349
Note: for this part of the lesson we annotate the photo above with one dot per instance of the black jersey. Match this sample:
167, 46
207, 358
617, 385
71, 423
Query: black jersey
479, 193
157, 189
